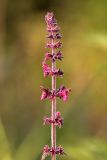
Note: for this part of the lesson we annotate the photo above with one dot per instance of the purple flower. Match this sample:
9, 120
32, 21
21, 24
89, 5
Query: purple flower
59, 150
48, 56
53, 29
46, 93
46, 69
47, 121
56, 56
46, 149
59, 55
58, 72
51, 22
58, 115
54, 36
58, 45
58, 36
63, 93
50, 19
51, 150
53, 57
54, 45
58, 121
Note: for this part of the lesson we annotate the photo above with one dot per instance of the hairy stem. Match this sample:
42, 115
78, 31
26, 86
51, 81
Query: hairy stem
53, 127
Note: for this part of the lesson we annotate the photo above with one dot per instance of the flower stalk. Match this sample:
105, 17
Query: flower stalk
53, 127
54, 54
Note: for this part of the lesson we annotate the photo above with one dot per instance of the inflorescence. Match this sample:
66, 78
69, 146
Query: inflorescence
53, 55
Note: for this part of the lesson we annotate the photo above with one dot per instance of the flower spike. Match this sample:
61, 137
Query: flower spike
53, 43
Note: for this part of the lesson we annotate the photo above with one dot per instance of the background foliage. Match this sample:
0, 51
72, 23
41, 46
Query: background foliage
22, 40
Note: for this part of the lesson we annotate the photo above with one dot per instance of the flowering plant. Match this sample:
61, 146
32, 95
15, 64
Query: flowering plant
55, 54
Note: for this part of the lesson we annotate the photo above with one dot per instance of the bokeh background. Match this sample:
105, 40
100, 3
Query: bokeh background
22, 48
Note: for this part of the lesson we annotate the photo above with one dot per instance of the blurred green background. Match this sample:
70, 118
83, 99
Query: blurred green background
22, 48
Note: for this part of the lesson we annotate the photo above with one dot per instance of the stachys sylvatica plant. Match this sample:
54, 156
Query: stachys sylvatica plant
54, 54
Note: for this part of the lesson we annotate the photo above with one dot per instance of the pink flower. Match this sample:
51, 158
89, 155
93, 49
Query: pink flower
47, 121
46, 149
54, 36
58, 121
63, 93
48, 56
58, 36
53, 57
50, 19
55, 45
59, 55
58, 114
46, 93
59, 150
58, 72
53, 28
51, 150
46, 69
